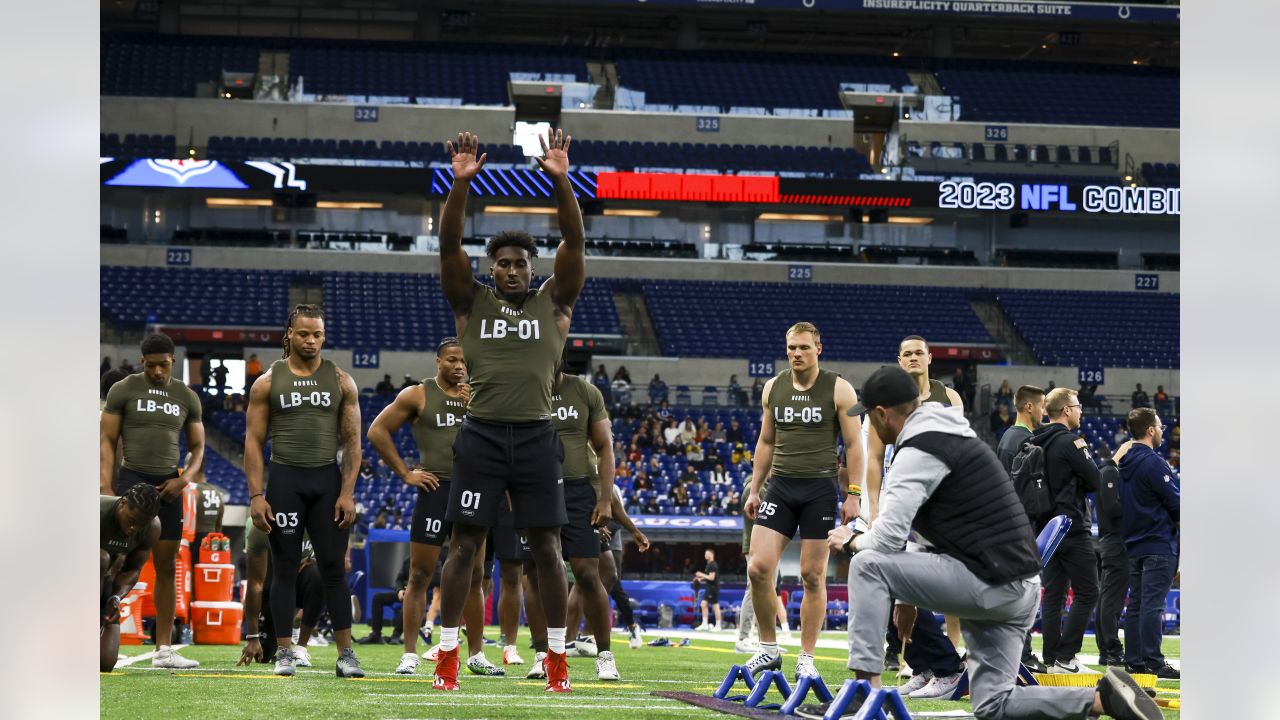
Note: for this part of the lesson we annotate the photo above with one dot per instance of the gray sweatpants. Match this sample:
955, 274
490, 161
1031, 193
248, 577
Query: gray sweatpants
993, 618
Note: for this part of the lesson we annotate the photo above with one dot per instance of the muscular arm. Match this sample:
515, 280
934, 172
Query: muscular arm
456, 278
405, 408
257, 418
763, 461
125, 579
954, 397
851, 433
255, 567
108, 438
602, 442
875, 471
195, 449
349, 433
570, 265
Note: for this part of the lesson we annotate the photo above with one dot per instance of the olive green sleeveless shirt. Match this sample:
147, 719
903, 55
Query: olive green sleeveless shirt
112, 538
806, 427
151, 419
304, 415
511, 354
576, 405
435, 429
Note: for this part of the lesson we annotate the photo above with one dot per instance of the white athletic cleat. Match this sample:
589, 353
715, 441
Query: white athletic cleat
1071, 667
284, 662
805, 668
762, 661
317, 640
584, 646
747, 645
301, 657
408, 664
905, 671
634, 635
938, 688
432, 655
167, 657
703, 626
606, 668
348, 666
511, 656
478, 664
916, 683
539, 669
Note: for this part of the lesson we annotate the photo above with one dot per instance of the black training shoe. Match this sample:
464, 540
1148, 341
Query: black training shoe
370, 639
1034, 665
891, 663
1168, 672
1122, 699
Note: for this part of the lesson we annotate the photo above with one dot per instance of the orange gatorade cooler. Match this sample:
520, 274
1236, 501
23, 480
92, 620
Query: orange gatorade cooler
182, 581
213, 582
216, 623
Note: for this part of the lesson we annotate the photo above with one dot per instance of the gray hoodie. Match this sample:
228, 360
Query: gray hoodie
912, 477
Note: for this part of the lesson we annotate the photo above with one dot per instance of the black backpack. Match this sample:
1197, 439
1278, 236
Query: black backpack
1031, 483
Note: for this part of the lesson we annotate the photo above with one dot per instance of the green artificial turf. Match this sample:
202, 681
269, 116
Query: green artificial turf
218, 689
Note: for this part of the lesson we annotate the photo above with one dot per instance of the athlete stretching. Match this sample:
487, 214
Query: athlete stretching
434, 408
129, 529
513, 338
311, 407
804, 413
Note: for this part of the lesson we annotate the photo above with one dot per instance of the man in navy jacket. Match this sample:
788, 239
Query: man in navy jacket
1149, 502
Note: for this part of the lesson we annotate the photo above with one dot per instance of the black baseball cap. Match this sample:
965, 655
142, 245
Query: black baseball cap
889, 386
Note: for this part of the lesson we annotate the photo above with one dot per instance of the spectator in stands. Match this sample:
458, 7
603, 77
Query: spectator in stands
655, 466
1175, 438
679, 495
1139, 398
718, 434
601, 381
1120, 435
733, 503
719, 477
693, 453
622, 374
657, 390
385, 387
1000, 420
1004, 395
688, 433
703, 431
634, 455
736, 396
740, 455
651, 507
671, 436
641, 441
1030, 405
1089, 397
380, 522
1150, 500
641, 481
689, 476
399, 519
1071, 474
734, 434
408, 381
253, 370
664, 409
1175, 458
237, 402
704, 507
1162, 401
366, 471
621, 391
622, 470
104, 367
757, 392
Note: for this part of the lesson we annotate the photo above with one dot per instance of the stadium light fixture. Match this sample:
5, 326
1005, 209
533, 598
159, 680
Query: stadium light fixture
632, 212
518, 210
347, 205
224, 202
797, 217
